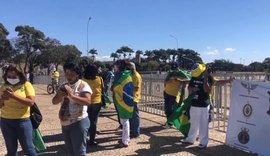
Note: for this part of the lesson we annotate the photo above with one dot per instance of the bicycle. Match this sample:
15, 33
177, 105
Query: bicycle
52, 87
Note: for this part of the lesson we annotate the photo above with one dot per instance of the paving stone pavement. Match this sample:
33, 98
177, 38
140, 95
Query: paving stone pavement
153, 141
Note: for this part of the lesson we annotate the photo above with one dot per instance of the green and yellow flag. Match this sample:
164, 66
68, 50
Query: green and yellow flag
105, 99
180, 117
123, 95
178, 73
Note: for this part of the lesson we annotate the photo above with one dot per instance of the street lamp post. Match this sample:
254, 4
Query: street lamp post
87, 34
176, 40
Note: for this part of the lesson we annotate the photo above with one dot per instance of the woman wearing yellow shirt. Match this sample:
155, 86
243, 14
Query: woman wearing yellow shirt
17, 95
96, 83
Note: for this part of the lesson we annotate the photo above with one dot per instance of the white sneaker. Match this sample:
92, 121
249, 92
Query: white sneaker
184, 141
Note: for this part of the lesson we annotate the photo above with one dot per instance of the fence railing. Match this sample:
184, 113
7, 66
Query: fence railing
152, 96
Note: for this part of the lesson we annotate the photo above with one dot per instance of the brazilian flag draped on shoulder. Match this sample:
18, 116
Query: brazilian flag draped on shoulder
180, 117
123, 94
178, 73
181, 74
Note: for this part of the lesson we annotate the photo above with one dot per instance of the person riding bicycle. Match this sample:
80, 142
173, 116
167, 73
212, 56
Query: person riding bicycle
55, 77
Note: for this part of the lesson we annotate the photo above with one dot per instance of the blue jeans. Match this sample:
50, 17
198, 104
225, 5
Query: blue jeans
75, 137
135, 122
18, 129
169, 102
93, 113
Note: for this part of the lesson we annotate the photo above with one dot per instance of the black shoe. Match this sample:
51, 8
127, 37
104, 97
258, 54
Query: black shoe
134, 136
92, 143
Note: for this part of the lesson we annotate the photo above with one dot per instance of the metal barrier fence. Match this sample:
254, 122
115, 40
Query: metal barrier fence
152, 96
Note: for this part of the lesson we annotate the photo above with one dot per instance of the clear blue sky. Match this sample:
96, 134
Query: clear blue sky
238, 30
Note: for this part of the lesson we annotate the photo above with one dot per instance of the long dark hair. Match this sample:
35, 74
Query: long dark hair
91, 71
18, 71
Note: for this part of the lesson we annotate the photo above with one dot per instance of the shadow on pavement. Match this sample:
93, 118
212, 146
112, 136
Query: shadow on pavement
164, 145
57, 150
53, 138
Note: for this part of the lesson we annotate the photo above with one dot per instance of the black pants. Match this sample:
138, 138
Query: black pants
169, 102
93, 113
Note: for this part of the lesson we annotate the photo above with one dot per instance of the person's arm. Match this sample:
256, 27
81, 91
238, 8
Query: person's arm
83, 99
58, 97
206, 85
9, 93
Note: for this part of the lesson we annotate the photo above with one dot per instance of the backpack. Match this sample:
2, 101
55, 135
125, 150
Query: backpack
35, 116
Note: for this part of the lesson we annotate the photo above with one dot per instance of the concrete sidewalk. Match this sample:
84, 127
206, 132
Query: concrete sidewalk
154, 140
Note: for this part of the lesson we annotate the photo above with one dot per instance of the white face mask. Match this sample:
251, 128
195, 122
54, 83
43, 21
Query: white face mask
13, 81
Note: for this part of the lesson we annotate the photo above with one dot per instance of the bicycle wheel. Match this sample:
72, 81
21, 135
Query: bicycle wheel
50, 89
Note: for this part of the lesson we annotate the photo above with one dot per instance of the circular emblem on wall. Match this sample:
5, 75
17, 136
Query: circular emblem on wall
243, 136
247, 110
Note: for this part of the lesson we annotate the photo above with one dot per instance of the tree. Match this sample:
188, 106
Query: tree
93, 52
124, 50
29, 42
256, 67
223, 65
152, 65
69, 53
149, 54
266, 63
49, 54
186, 57
138, 55
173, 53
114, 56
5, 45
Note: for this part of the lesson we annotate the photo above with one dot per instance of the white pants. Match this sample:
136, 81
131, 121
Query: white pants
125, 131
198, 122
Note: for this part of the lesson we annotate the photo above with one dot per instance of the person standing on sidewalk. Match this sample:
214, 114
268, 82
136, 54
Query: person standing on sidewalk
123, 99
200, 83
172, 85
96, 83
17, 96
137, 85
74, 97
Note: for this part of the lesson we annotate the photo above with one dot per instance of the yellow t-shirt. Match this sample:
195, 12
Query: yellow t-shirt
55, 75
137, 82
96, 88
172, 87
12, 109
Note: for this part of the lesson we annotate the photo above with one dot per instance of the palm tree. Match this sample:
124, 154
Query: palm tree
93, 52
114, 56
124, 50
149, 54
